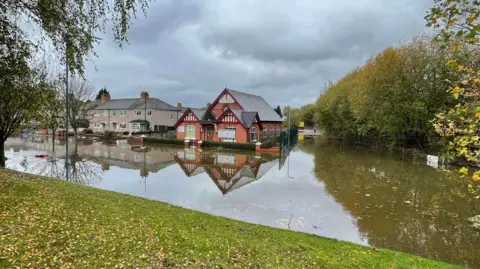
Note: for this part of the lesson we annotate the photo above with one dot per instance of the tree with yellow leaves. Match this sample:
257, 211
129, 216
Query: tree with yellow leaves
459, 26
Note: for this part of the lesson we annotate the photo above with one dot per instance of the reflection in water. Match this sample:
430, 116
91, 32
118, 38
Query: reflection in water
336, 191
402, 205
228, 171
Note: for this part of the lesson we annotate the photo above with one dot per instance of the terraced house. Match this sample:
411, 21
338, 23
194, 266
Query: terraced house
232, 117
134, 114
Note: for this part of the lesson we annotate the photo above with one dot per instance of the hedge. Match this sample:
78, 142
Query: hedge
228, 145
160, 140
268, 144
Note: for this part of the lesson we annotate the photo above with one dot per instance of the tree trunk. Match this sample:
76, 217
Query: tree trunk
75, 131
53, 140
2, 153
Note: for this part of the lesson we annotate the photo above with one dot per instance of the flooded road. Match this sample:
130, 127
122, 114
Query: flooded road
324, 189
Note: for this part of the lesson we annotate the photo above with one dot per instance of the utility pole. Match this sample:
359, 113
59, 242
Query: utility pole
66, 103
145, 116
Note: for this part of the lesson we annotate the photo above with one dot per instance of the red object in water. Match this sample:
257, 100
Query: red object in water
41, 155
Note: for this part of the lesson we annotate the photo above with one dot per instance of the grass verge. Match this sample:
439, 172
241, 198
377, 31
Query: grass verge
48, 223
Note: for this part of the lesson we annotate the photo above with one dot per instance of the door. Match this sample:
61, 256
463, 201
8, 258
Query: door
209, 130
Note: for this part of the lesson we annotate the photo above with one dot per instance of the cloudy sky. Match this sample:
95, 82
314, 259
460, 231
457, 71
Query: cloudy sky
188, 50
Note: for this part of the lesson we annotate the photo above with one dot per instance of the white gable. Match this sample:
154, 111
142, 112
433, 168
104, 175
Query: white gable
226, 99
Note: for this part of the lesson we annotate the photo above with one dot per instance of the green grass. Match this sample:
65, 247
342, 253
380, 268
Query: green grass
47, 223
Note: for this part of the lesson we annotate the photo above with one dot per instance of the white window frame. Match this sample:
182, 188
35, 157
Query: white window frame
253, 132
105, 112
113, 112
123, 113
134, 126
272, 132
138, 112
265, 132
188, 133
123, 125
149, 112
230, 128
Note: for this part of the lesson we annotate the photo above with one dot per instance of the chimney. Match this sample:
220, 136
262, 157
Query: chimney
179, 105
105, 97
144, 95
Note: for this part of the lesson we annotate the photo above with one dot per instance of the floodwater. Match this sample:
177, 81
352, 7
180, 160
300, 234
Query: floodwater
322, 188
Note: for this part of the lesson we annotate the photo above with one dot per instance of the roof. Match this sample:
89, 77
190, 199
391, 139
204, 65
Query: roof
251, 102
136, 103
246, 117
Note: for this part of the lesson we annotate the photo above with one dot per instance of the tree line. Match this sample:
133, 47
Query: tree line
391, 100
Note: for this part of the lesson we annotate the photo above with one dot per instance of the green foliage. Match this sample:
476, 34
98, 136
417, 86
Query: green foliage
101, 92
23, 89
110, 133
267, 144
278, 110
71, 26
159, 140
391, 99
87, 131
228, 145
305, 113
459, 25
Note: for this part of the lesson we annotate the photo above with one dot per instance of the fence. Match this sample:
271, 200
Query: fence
288, 139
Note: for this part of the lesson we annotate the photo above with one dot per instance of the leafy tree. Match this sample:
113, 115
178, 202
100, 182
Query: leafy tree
459, 25
391, 99
279, 111
17, 77
101, 92
52, 111
72, 22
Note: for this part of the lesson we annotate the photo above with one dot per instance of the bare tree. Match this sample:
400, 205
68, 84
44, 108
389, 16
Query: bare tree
81, 103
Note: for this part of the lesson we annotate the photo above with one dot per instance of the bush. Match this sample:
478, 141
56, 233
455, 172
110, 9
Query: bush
109, 133
126, 133
267, 144
228, 145
87, 131
159, 140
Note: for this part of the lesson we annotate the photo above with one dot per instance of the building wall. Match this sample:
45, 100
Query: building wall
158, 117
269, 125
218, 108
181, 135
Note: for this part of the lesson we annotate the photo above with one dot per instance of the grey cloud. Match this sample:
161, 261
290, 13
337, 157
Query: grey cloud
188, 51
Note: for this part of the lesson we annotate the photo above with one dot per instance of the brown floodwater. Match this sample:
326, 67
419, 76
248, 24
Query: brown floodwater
323, 188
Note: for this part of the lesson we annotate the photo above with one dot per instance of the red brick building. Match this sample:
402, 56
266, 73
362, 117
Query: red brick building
233, 117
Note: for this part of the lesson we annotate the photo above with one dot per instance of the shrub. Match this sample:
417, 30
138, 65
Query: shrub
228, 145
126, 133
87, 131
267, 144
159, 140
109, 133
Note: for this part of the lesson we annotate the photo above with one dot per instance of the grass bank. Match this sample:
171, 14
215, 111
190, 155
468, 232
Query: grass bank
47, 223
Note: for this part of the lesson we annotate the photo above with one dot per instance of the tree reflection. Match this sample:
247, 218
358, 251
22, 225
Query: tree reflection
401, 205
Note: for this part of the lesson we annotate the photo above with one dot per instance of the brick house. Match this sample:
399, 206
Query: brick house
129, 114
233, 117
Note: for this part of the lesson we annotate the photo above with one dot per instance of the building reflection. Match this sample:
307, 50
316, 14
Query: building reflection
229, 171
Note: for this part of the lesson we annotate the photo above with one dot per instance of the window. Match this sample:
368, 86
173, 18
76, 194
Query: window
138, 158
123, 112
122, 156
278, 131
138, 112
233, 129
272, 132
253, 134
171, 117
113, 112
123, 125
134, 126
265, 135
190, 133
149, 113
105, 113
